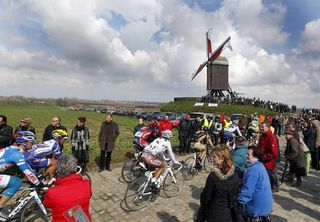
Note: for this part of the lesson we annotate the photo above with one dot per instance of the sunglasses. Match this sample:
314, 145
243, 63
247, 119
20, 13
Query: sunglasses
23, 122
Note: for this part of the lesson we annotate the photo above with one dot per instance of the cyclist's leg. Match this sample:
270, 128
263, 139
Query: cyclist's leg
51, 167
153, 162
11, 185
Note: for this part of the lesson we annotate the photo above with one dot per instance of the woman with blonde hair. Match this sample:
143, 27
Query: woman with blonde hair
25, 125
221, 190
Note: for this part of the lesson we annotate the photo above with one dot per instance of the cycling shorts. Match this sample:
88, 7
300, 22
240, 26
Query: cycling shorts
228, 135
11, 184
150, 160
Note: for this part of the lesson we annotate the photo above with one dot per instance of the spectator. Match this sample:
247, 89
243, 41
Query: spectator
208, 123
255, 196
276, 125
80, 137
165, 124
309, 140
281, 125
292, 128
139, 126
295, 156
25, 125
196, 125
184, 134
55, 124
316, 153
269, 150
69, 190
239, 156
222, 186
6, 132
109, 132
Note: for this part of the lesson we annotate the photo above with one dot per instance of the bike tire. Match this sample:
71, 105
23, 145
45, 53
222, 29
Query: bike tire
135, 198
188, 169
31, 212
131, 170
208, 164
172, 186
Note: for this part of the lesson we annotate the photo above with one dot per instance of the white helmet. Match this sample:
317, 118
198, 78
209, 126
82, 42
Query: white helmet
167, 134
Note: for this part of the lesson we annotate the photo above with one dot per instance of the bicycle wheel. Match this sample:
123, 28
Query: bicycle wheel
138, 194
32, 212
131, 170
188, 169
173, 185
85, 175
208, 164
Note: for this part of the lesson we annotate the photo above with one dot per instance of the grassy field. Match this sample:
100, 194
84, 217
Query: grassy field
188, 106
41, 117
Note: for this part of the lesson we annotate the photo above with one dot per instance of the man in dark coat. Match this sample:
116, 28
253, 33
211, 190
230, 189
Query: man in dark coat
295, 156
6, 132
184, 134
109, 132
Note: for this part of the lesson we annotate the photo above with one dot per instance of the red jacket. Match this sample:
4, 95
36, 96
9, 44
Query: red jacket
66, 193
166, 125
269, 149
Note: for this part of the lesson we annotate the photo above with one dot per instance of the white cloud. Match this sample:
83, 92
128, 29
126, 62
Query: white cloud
94, 60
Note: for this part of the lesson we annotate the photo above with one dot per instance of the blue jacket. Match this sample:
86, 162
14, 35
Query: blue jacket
239, 156
256, 195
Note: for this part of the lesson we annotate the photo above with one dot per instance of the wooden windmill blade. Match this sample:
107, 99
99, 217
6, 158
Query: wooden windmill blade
214, 56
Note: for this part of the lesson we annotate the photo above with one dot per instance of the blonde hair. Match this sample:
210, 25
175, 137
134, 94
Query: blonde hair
28, 120
223, 152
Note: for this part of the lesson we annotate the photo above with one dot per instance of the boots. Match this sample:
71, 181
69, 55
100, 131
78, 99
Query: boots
108, 161
299, 181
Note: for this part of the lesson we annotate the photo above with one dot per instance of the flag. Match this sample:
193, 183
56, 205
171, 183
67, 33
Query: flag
213, 57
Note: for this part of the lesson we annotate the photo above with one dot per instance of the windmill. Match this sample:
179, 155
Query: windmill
217, 72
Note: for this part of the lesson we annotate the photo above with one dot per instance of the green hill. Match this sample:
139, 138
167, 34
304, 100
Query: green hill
188, 106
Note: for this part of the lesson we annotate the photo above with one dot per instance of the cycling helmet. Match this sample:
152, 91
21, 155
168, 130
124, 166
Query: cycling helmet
167, 134
59, 134
23, 137
236, 121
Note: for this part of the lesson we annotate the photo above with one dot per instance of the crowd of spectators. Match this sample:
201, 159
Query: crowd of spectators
257, 102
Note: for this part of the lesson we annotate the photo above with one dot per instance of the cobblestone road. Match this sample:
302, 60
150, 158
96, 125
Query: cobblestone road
290, 204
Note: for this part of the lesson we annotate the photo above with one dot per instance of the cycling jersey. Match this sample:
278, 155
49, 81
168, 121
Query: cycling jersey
158, 147
11, 156
36, 156
233, 128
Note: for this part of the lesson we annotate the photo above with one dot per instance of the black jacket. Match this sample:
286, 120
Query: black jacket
6, 133
309, 137
219, 195
47, 134
184, 127
195, 126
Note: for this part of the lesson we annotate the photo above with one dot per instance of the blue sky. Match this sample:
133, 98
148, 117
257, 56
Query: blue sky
97, 47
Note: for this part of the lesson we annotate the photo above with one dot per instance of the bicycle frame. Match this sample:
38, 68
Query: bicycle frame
33, 195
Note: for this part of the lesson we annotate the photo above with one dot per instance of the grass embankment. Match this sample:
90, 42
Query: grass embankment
41, 116
188, 106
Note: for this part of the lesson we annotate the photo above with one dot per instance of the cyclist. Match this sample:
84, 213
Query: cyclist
201, 140
231, 132
12, 156
37, 156
154, 157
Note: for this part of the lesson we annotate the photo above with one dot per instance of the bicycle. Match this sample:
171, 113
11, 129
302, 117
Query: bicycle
28, 206
192, 165
142, 190
133, 168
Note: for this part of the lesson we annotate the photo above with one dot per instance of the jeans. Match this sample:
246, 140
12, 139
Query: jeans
274, 179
